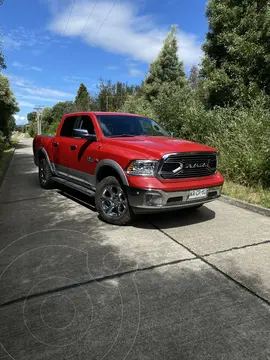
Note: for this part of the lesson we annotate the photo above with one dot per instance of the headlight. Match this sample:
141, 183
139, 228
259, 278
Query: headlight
142, 167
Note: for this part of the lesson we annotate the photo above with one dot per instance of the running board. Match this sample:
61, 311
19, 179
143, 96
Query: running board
74, 186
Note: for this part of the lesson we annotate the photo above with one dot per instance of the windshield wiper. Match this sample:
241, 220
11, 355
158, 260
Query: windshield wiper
122, 135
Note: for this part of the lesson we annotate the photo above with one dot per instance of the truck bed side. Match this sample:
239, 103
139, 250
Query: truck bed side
43, 144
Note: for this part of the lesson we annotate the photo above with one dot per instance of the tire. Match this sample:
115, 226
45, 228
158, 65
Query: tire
112, 202
45, 174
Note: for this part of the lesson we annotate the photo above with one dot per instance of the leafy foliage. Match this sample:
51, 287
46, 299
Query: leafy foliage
194, 77
32, 123
166, 69
8, 107
112, 96
236, 65
82, 101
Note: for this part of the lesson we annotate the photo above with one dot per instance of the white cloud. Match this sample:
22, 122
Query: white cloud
26, 89
39, 98
36, 41
26, 104
25, 67
124, 32
48, 92
75, 79
10, 43
135, 72
19, 81
20, 120
21, 37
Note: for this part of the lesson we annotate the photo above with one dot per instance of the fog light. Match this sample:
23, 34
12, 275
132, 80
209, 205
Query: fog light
153, 199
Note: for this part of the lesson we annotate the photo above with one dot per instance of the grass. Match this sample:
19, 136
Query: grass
252, 195
5, 155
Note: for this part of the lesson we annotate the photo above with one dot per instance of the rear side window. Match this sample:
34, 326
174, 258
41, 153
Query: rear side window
67, 127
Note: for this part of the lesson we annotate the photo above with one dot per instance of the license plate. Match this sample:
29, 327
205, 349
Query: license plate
197, 194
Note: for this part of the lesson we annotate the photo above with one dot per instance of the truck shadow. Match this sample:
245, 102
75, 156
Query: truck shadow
79, 198
164, 220
177, 218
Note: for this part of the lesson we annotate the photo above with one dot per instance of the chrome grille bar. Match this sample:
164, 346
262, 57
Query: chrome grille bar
188, 165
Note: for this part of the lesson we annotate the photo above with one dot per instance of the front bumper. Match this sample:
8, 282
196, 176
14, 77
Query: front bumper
140, 199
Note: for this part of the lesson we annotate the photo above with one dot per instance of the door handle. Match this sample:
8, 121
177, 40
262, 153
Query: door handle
73, 147
55, 144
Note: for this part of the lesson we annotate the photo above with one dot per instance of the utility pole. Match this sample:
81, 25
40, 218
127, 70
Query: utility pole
38, 110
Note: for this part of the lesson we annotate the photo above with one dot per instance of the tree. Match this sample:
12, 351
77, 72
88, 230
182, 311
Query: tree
46, 118
32, 123
111, 97
236, 65
194, 77
2, 60
8, 107
32, 117
165, 69
60, 109
82, 99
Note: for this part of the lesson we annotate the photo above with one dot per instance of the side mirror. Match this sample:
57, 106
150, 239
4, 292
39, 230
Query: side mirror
83, 134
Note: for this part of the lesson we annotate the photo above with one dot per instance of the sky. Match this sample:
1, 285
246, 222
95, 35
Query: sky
51, 46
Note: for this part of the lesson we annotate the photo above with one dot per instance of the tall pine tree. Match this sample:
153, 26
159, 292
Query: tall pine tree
82, 101
194, 77
165, 69
236, 65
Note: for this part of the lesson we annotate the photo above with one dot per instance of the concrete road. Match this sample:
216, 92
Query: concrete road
184, 285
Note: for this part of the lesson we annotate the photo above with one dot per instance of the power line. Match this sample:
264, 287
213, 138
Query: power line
69, 16
105, 19
89, 17
93, 8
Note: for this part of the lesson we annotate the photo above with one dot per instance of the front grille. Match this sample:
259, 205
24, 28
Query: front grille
184, 165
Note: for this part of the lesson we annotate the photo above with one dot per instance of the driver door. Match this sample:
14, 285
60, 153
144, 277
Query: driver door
84, 155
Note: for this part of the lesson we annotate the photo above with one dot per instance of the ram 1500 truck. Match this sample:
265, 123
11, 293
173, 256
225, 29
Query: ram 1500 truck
129, 163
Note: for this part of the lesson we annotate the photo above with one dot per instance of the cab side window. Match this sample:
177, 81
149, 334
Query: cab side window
68, 126
87, 124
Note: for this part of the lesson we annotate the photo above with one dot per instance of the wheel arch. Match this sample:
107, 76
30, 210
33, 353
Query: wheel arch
42, 154
110, 168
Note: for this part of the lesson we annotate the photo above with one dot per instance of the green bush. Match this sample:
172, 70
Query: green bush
240, 135
4, 143
243, 142
52, 129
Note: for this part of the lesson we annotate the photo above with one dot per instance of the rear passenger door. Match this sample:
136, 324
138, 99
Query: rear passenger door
62, 147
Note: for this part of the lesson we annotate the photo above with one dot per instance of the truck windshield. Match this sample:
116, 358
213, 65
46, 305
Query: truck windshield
124, 125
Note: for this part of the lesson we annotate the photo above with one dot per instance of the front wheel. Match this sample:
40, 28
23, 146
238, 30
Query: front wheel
112, 203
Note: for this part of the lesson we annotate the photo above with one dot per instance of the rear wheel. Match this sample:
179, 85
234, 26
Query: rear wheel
112, 203
45, 174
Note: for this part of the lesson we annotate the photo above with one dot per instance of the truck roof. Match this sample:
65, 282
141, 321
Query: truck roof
102, 113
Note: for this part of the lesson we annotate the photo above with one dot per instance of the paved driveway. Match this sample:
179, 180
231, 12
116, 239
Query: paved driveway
184, 285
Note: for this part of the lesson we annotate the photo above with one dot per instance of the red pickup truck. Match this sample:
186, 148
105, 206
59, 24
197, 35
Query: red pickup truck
129, 163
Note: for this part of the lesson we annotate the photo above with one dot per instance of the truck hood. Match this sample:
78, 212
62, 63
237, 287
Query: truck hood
157, 146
